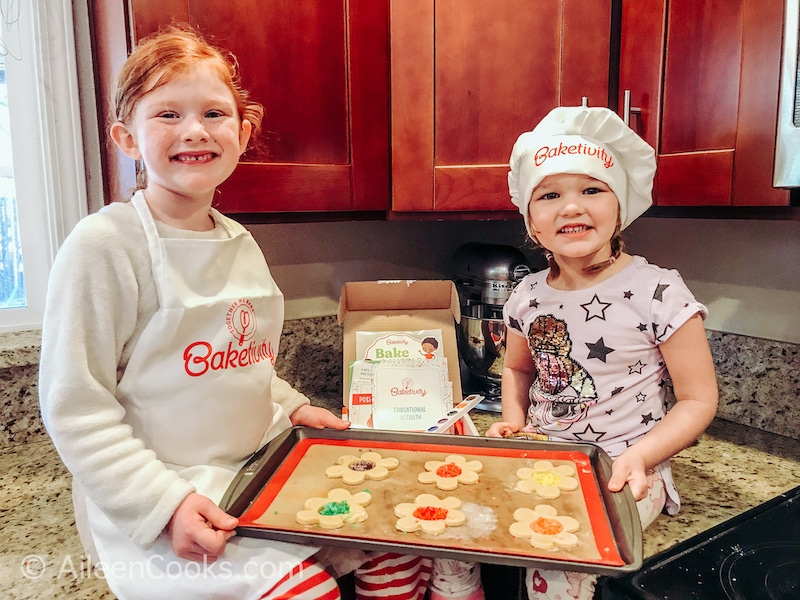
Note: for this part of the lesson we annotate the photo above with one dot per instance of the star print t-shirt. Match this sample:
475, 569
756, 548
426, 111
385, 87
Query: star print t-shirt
600, 374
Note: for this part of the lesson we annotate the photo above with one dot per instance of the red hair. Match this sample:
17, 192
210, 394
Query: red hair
161, 57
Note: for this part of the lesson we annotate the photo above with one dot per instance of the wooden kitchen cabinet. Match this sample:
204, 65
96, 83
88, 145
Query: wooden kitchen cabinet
705, 74
320, 68
468, 77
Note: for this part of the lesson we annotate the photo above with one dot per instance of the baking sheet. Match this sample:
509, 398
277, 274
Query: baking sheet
273, 486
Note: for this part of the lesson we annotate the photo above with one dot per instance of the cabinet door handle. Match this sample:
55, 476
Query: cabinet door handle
627, 109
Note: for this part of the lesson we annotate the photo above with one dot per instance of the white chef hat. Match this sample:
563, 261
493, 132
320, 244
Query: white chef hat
590, 141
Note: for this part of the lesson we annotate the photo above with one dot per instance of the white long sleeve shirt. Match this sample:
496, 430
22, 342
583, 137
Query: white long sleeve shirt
101, 296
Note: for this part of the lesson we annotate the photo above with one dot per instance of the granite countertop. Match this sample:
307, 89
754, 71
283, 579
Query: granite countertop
731, 468
746, 457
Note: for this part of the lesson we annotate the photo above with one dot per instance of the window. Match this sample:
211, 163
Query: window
42, 187
12, 272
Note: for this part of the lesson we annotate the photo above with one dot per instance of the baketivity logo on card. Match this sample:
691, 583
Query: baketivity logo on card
201, 357
408, 389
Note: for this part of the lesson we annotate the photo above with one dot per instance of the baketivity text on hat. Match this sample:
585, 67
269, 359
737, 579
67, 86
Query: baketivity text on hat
545, 152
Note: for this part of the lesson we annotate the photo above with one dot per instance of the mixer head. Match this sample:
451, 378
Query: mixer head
486, 274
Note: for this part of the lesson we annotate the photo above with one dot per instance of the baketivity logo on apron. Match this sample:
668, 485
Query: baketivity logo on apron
200, 357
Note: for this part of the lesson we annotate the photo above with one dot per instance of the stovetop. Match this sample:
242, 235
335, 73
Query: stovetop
754, 556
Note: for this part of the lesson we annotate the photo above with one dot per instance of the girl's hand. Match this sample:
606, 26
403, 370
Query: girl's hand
502, 429
317, 417
629, 468
199, 529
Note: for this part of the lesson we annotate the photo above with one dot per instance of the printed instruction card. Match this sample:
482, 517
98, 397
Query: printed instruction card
399, 380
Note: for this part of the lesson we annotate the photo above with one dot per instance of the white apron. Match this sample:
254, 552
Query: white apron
197, 391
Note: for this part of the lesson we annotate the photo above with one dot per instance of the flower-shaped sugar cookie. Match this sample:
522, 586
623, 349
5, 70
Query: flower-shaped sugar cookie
448, 474
430, 514
338, 508
544, 528
354, 469
546, 480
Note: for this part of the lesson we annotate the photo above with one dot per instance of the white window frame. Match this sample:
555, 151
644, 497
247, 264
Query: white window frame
46, 134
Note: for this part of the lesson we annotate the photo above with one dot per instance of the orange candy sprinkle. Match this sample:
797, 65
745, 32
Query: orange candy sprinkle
430, 513
546, 526
449, 470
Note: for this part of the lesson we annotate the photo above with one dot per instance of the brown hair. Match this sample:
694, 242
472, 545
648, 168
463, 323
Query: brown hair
161, 57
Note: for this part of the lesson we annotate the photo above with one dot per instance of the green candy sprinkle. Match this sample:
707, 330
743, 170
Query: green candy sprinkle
335, 508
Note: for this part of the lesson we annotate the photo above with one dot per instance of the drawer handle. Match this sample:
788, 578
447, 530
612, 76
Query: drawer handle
627, 109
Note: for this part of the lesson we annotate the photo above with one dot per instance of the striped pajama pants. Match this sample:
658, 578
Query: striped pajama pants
385, 575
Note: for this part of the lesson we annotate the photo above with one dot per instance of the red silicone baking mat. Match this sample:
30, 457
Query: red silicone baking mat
272, 489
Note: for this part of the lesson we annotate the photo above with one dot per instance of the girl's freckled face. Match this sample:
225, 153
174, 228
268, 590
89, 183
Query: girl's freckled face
188, 133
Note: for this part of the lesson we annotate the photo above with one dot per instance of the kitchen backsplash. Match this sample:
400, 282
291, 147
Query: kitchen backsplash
759, 380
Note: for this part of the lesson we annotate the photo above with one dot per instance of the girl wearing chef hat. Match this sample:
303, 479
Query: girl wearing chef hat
157, 376
593, 338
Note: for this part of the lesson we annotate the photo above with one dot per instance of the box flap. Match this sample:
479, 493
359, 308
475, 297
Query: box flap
402, 294
401, 305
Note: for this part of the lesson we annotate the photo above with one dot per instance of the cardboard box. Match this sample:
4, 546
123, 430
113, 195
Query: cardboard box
402, 305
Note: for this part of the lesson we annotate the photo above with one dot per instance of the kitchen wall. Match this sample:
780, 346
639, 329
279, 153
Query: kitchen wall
746, 272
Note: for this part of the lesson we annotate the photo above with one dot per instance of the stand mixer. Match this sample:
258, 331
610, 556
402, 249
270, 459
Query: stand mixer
485, 275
